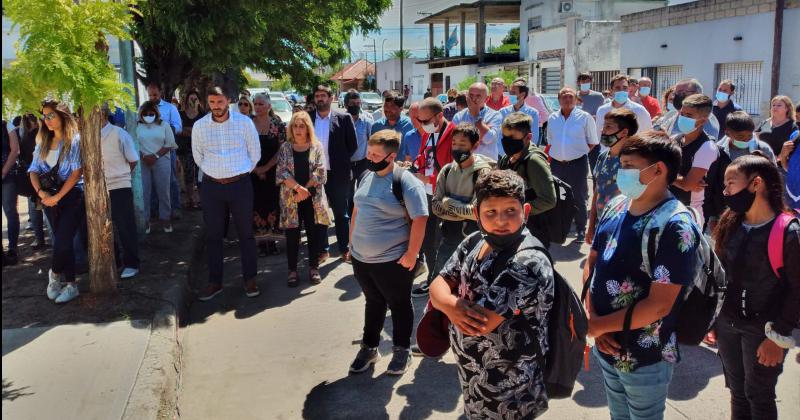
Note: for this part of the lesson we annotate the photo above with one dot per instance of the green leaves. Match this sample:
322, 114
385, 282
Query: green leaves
61, 53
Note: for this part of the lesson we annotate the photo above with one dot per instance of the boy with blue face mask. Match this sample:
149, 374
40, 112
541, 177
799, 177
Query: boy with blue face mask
637, 377
698, 151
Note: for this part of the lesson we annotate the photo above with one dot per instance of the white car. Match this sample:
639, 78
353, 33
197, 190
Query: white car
282, 108
371, 101
277, 95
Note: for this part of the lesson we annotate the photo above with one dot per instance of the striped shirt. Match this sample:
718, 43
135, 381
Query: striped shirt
226, 149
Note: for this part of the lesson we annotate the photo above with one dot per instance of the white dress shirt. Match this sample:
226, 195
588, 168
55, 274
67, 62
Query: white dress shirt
322, 129
226, 149
493, 119
571, 138
118, 152
642, 116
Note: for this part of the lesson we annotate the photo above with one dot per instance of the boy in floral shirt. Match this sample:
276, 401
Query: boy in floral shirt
636, 379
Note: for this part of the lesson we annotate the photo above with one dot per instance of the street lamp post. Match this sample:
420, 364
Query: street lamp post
402, 55
384, 40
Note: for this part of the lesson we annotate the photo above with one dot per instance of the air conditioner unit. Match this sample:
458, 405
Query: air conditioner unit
565, 7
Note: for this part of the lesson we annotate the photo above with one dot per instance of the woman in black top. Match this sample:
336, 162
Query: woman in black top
760, 308
191, 112
271, 134
781, 123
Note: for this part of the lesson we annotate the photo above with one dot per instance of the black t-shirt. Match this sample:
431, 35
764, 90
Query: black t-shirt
302, 172
775, 136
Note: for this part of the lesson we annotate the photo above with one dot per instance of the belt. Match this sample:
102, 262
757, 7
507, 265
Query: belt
568, 161
224, 181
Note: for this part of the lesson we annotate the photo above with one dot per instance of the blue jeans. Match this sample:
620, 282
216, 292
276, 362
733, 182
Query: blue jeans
638, 395
10, 210
174, 187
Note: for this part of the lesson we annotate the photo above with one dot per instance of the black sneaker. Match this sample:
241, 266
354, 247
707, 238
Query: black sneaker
415, 351
580, 238
401, 361
420, 291
10, 258
364, 359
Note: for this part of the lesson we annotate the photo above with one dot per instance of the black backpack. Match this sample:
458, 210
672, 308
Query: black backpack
567, 326
558, 220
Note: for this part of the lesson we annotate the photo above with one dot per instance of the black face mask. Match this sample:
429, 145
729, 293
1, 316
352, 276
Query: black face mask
460, 156
512, 146
354, 110
609, 140
378, 166
502, 243
677, 101
741, 201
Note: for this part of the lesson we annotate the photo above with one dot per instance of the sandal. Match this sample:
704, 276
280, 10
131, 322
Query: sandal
314, 276
292, 280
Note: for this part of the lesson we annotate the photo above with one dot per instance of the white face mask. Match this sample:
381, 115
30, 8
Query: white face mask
429, 128
585, 87
149, 119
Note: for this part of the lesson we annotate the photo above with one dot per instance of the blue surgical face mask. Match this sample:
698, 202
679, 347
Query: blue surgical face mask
741, 144
686, 125
585, 87
628, 182
644, 90
513, 99
722, 96
621, 97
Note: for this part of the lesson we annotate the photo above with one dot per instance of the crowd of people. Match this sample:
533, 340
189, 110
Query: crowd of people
464, 193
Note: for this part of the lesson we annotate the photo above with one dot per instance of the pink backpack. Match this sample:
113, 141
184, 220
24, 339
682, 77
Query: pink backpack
775, 243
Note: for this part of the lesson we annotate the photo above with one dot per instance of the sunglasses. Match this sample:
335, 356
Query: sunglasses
149, 114
244, 104
50, 116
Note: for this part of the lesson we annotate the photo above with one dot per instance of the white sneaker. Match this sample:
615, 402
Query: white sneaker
129, 272
168, 228
69, 292
147, 229
54, 285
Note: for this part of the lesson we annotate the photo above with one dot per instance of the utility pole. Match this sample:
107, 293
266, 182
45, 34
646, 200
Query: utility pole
375, 55
777, 46
402, 52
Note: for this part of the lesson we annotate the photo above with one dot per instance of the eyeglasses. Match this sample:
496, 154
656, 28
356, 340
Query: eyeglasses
50, 116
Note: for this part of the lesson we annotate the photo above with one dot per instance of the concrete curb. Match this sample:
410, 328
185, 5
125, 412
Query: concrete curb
155, 392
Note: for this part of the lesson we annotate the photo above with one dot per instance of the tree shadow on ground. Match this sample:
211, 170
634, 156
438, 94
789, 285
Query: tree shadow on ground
10, 393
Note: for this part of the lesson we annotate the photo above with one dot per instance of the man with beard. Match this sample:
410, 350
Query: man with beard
225, 146
337, 134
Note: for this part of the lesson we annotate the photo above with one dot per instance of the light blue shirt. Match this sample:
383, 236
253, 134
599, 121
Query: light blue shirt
377, 210
68, 164
527, 110
402, 126
410, 145
488, 144
363, 129
171, 115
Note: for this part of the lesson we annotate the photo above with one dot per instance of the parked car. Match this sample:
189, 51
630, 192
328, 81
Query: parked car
550, 102
277, 95
371, 101
282, 108
341, 99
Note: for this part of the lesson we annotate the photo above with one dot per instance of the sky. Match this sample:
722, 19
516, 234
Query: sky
415, 37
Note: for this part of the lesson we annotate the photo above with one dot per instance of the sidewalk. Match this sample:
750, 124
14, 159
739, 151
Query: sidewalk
285, 355
83, 371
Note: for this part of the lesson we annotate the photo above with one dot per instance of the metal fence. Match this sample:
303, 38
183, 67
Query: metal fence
601, 80
746, 77
551, 80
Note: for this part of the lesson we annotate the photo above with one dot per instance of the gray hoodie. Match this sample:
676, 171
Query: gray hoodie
454, 196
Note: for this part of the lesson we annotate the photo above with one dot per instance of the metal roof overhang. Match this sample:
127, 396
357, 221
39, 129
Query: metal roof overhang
500, 11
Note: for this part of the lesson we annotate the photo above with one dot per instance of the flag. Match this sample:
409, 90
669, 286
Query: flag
452, 41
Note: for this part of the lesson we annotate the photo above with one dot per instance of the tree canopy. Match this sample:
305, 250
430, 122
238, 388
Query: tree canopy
184, 41
400, 54
62, 54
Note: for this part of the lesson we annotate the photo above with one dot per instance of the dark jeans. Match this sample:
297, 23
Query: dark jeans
752, 384
386, 285
10, 210
574, 173
305, 211
453, 233
66, 219
339, 196
433, 235
358, 168
126, 241
219, 201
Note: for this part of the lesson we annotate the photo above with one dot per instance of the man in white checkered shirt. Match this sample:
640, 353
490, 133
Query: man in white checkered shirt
225, 147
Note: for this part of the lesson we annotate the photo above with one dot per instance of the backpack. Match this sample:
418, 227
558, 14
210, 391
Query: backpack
567, 326
700, 302
558, 220
775, 243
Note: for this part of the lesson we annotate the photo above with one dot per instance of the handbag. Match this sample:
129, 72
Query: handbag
49, 181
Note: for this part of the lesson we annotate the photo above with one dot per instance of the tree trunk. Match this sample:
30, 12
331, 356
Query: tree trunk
102, 267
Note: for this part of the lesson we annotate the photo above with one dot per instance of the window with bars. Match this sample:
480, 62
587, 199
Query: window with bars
746, 77
601, 80
663, 77
534, 23
551, 80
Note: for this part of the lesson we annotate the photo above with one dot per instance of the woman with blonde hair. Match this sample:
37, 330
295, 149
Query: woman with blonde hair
246, 106
301, 176
57, 179
782, 122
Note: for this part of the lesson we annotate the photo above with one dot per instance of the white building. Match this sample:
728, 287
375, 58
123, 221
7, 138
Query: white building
712, 41
560, 39
416, 76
